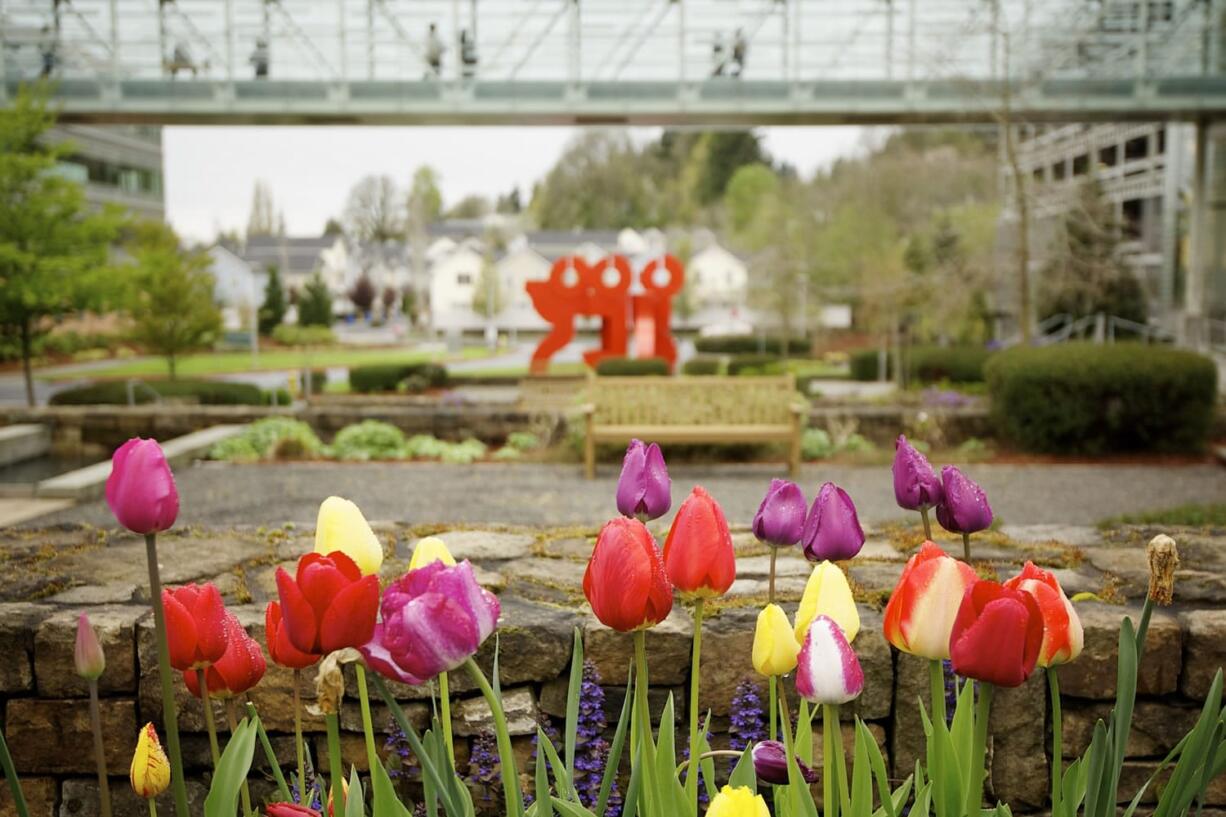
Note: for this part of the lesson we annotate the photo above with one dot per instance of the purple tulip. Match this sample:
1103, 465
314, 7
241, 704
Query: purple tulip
770, 763
434, 618
87, 653
141, 489
643, 487
964, 507
832, 529
780, 519
916, 485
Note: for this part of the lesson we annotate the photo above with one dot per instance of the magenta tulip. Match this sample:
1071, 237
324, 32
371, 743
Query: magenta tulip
434, 619
643, 489
780, 520
141, 489
916, 485
964, 508
832, 529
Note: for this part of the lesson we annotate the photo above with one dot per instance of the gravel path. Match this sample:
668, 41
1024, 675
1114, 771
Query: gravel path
521, 493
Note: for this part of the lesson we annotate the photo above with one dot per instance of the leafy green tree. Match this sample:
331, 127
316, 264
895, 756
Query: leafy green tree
425, 199
596, 183
315, 303
747, 189
473, 206
723, 153
264, 220
488, 297
272, 312
53, 252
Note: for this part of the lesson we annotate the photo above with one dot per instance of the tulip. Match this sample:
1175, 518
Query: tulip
430, 549
1063, 637
698, 555
643, 487
916, 485
828, 671
195, 625
770, 763
780, 519
434, 619
625, 581
340, 526
150, 770
774, 644
920, 613
964, 508
996, 635
738, 802
87, 653
827, 593
238, 670
280, 649
328, 605
832, 528
141, 489
289, 810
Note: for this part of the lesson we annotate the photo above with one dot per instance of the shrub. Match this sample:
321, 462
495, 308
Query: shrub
276, 397
288, 334
205, 392
927, 364
369, 440
864, 364
750, 345
815, 444
632, 367
701, 366
1083, 398
523, 441
742, 365
270, 438
313, 381
390, 376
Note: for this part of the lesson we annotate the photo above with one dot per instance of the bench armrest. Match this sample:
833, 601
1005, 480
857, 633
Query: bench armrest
587, 409
799, 407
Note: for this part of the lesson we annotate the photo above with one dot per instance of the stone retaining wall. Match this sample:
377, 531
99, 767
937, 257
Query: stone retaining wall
55, 574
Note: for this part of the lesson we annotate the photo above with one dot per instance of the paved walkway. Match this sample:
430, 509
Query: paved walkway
521, 493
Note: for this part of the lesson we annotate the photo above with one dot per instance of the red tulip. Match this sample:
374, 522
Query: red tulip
238, 670
195, 625
698, 553
1063, 637
141, 489
280, 649
289, 810
329, 604
996, 635
625, 580
924, 604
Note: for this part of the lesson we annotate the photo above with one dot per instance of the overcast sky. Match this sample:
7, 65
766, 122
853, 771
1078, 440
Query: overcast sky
210, 171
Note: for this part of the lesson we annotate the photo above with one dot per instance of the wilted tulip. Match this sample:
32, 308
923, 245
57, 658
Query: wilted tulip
1063, 637
827, 670
195, 625
238, 670
150, 770
140, 490
827, 593
780, 520
770, 763
328, 604
430, 549
643, 489
996, 635
280, 649
832, 529
920, 613
625, 581
87, 653
289, 810
341, 526
698, 555
964, 507
434, 619
774, 644
738, 802
916, 485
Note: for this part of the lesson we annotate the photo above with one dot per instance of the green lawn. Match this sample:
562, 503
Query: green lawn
215, 363
1194, 515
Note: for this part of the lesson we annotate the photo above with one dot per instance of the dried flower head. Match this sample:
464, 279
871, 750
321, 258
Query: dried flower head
1163, 561
330, 682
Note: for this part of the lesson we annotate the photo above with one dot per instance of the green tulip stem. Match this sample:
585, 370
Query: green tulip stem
936, 688
10, 774
170, 716
830, 796
153, 806
506, 755
642, 710
770, 588
691, 778
1057, 729
95, 724
336, 768
983, 709
830, 714
368, 729
966, 547
232, 721
302, 785
772, 683
927, 524
207, 702
444, 694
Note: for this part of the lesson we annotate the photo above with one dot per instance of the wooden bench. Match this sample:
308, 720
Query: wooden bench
694, 410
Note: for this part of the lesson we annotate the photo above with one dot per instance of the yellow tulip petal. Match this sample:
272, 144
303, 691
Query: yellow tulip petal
430, 549
341, 526
774, 645
827, 593
150, 771
738, 802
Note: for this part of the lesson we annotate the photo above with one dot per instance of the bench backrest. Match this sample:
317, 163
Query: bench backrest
692, 401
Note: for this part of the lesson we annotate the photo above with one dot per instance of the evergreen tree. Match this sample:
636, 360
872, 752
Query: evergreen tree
315, 303
272, 312
263, 219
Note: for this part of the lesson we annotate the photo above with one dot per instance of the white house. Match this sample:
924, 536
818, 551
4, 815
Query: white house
237, 288
453, 281
520, 265
717, 278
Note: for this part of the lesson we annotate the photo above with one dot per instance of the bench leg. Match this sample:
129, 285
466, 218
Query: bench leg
589, 453
794, 451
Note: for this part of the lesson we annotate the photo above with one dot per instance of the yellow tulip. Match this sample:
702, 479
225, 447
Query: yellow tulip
828, 594
341, 526
738, 802
774, 646
150, 772
430, 549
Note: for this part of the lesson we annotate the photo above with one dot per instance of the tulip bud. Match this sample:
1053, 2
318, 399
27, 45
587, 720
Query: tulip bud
87, 652
150, 770
738, 802
920, 613
770, 763
780, 520
916, 485
140, 490
625, 581
643, 489
964, 508
827, 593
341, 526
289, 810
1163, 561
828, 671
774, 644
430, 549
1063, 637
698, 554
832, 528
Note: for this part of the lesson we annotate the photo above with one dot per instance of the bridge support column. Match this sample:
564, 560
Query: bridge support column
1205, 285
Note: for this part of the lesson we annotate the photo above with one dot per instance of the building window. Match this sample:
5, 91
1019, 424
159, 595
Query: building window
1109, 156
1134, 215
1037, 175
1058, 171
464, 279
1137, 148
1081, 164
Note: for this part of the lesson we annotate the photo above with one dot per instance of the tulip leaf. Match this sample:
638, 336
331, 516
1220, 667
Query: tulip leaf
804, 734
384, 802
877, 765
544, 801
572, 701
743, 772
1097, 755
354, 798
613, 761
634, 787
429, 770
269, 755
861, 776
231, 773
923, 800
10, 774
669, 791
571, 809
566, 788
962, 730
707, 764
801, 797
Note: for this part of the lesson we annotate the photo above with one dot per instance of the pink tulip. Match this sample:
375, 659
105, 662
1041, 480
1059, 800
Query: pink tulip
87, 652
827, 670
141, 489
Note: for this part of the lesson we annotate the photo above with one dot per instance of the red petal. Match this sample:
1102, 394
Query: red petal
180, 632
350, 620
298, 617
210, 614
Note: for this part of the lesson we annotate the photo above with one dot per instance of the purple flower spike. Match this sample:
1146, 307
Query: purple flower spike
643, 489
916, 485
770, 764
964, 507
780, 520
832, 529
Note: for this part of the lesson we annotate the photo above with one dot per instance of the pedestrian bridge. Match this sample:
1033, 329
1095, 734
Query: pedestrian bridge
619, 61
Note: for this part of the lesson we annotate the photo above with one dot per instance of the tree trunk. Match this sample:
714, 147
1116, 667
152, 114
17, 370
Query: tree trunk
26, 352
170, 363
1022, 203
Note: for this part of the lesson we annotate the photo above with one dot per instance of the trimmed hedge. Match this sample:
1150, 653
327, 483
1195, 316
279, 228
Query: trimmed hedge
632, 367
927, 364
389, 376
753, 365
864, 365
750, 345
701, 366
205, 392
1084, 398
